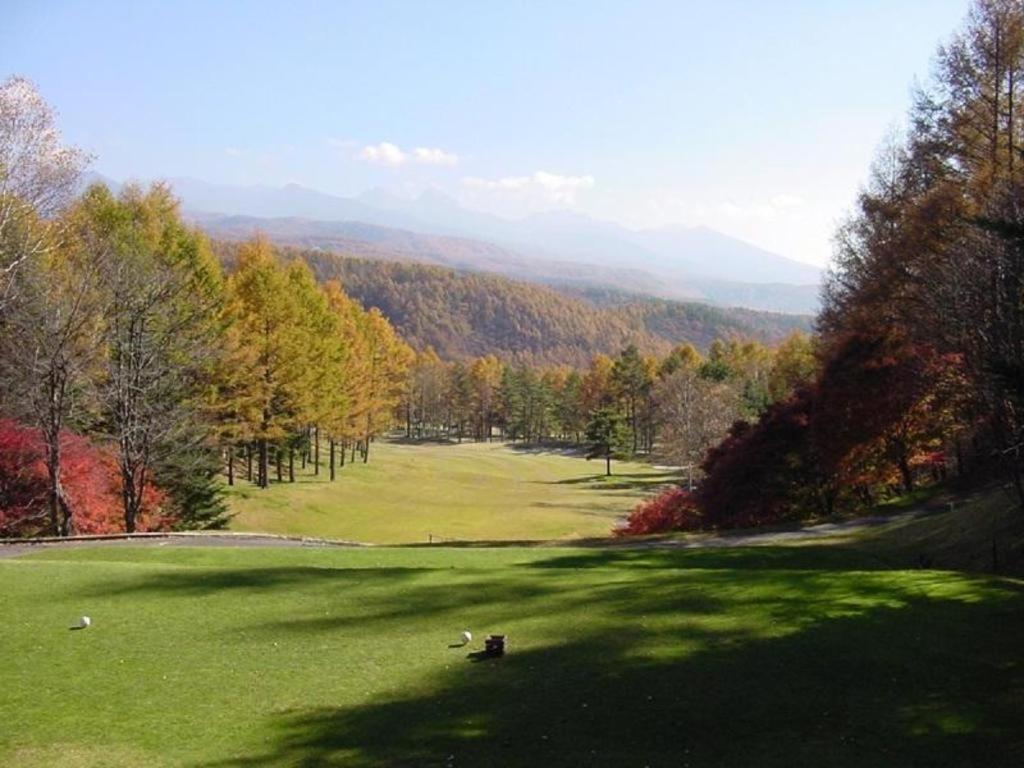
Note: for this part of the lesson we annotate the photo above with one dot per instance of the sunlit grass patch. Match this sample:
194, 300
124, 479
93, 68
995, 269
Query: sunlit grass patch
437, 491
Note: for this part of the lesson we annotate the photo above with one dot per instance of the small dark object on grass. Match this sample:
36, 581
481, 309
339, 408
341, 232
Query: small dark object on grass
494, 646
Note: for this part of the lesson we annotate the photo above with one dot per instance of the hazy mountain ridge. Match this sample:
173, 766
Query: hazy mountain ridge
385, 244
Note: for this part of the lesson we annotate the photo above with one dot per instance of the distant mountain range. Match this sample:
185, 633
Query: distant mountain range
559, 248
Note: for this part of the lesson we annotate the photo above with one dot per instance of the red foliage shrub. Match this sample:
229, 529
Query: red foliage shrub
671, 510
22, 495
766, 472
89, 476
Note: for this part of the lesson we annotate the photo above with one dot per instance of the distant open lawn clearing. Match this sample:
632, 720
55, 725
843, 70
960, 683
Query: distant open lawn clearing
473, 491
770, 656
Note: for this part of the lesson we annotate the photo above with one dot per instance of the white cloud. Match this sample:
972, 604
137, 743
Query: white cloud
540, 187
393, 156
384, 153
434, 156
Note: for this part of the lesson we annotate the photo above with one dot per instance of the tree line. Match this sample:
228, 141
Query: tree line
672, 407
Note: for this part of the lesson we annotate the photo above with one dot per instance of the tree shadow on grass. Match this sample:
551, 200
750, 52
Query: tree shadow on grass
619, 482
196, 582
760, 558
604, 479
620, 487
427, 441
571, 450
930, 682
583, 508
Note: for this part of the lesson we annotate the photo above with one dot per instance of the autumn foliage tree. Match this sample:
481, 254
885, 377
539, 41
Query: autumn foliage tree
48, 286
161, 294
270, 321
882, 401
38, 177
935, 247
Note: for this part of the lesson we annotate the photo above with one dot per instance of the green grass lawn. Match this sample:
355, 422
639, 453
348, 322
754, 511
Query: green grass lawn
769, 656
472, 491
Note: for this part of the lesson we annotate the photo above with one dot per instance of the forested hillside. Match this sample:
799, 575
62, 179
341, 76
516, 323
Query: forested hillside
471, 314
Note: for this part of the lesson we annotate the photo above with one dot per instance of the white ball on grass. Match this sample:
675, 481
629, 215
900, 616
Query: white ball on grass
84, 622
467, 637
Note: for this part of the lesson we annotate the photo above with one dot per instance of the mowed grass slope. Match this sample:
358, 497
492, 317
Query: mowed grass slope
770, 656
472, 491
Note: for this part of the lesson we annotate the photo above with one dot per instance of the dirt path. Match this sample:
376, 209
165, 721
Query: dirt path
819, 531
14, 548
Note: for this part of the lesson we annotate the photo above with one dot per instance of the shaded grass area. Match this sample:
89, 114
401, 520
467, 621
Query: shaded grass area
980, 531
412, 492
769, 656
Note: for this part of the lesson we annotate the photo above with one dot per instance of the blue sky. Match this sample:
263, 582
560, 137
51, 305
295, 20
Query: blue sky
758, 119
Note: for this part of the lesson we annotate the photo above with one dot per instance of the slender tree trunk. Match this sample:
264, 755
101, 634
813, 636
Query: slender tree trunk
231, 465
366, 451
68, 521
277, 463
1018, 483
316, 451
129, 513
352, 459
608, 464
133, 483
263, 472
59, 510
248, 462
343, 445
53, 490
291, 464
906, 473
332, 459
632, 419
